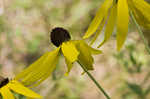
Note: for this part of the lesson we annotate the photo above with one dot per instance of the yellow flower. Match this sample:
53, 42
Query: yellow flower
72, 50
141, 11
7, 86
116, 13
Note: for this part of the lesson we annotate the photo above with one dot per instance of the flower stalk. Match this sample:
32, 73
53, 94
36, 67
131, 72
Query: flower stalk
140, 32
94, 80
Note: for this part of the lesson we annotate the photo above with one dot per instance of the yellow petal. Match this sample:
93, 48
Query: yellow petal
102, 12
31, 98
143, 6
69, 65
110, 24
122, 22
141, 12
34, 65
19, 88
92, 50
6, 94
85, 58
69, 51
141, 19
39, 70
98, 32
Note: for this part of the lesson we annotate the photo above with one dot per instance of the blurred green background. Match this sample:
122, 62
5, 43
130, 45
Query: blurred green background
25, 26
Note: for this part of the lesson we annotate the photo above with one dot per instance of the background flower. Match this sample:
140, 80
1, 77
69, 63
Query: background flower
116, 12
15, 86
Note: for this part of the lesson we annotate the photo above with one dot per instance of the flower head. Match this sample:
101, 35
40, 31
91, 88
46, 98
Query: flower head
116, 13
7, 86
72, 50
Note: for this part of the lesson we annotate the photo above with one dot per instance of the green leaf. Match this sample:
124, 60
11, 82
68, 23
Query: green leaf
135, 88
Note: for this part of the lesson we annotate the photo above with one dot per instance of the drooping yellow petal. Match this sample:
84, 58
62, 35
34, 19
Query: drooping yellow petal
50, 66
19, 88
143, 6
141, 12
92, 50
141, 19
69, 65
110, 24
31, 98
6, 93
69, 51
98, 18
85, 58
31, 67
98, 32
122, 22
39, 70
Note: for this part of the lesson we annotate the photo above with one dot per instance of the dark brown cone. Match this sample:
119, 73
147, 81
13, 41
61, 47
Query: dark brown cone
59, 35
3, 81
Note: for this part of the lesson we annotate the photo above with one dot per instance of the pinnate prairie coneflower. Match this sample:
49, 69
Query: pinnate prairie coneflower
115, 13
72, 50
6, 88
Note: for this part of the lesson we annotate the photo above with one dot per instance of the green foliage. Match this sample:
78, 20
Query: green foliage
33, 45
132, 65
130, 60
65, 88
135, 88
18, 96
3, 25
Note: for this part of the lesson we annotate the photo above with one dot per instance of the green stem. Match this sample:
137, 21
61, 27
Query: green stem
140, 32
96, 83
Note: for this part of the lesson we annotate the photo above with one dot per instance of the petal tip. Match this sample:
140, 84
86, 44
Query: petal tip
85, 37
